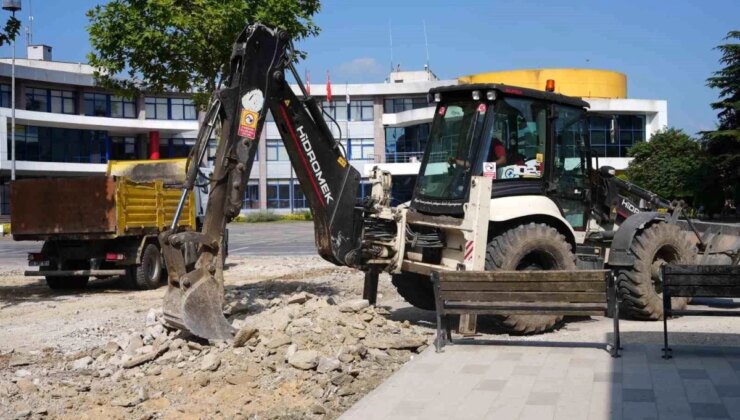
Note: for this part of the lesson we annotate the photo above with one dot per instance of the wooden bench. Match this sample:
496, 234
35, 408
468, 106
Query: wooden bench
580, 292
718, 281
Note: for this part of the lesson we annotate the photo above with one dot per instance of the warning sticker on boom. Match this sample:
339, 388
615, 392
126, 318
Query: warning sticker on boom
248, 124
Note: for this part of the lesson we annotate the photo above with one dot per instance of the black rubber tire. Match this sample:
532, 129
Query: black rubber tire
67, 283
149, 273
534, 246
639, 285
416, 289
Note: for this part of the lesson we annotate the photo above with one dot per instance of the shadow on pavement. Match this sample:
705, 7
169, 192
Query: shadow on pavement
38, 291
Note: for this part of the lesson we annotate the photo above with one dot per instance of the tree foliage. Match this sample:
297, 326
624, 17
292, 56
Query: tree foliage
723, 144
671, 164
10, 31
180, 45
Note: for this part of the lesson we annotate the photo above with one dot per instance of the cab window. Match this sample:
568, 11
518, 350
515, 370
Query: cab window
515, 145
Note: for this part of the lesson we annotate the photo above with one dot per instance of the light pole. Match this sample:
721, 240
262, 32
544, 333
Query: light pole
12, 6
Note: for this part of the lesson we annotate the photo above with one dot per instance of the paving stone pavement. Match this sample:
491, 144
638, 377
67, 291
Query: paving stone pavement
557, 380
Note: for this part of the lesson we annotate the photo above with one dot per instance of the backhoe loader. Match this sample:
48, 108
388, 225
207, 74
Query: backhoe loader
506, 182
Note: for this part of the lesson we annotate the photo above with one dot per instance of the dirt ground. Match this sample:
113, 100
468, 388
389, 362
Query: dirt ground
316, 350
311, 347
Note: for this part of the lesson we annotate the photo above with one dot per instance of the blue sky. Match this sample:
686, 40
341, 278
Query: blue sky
664, 47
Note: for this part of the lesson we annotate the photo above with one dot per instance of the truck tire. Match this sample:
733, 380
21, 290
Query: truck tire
67, 283
149, 273
534, 246
640, 289
416, 289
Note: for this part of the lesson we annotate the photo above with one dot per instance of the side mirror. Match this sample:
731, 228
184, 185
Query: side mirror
607, 171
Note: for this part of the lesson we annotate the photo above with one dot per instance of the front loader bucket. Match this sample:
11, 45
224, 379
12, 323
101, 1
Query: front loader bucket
198, 309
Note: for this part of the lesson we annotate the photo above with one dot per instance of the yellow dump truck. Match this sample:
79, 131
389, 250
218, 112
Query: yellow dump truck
102, 226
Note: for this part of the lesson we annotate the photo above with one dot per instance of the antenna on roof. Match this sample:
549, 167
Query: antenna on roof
426, 42
29, 27
390, 33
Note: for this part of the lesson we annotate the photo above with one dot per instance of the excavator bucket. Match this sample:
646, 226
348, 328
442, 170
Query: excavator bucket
195, 305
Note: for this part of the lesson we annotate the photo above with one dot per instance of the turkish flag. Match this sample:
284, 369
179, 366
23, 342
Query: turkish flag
328, 87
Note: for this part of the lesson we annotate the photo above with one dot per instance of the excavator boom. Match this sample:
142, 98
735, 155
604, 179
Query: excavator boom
254, 84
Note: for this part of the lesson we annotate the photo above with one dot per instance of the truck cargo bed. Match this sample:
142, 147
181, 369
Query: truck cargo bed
63, 206
94, 207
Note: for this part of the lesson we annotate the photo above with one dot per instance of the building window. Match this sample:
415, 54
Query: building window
182, 109
299, 199
394, 105
335, 109
124, 148
629, 129
5, 198
361, 110
251, 197
46, 100
62, 101
170, 109
364, 189
278, 194
37, 99
361, 149
276, 150
96, 104
156, 109
175, 148
5, 96
406, 144
122, 107
51, 144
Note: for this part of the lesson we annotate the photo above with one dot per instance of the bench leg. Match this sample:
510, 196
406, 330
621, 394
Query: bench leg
448, 330
617, 344
667, 352
615, 312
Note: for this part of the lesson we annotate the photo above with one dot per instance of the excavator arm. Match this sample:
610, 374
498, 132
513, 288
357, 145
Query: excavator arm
255, 83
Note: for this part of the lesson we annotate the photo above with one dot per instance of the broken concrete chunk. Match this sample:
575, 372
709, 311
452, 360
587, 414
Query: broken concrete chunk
210, 362
400, 342
328, 364
243, 335
304, 359
354, 305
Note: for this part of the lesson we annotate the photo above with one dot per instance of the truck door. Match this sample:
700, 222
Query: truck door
568, 176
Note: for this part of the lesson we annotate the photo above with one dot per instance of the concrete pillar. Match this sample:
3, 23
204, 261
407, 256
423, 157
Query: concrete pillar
20, 95
141, 107
80, 100
154, 145
379, 130
262, 151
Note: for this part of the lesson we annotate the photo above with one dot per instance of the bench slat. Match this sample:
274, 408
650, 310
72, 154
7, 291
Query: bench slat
583, 297
534, 311
703, 291
722, 270
540, 286
701, 280
522, 276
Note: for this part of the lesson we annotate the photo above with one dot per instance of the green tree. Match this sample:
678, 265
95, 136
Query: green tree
180, 45
672, 165
723, 144
10, 31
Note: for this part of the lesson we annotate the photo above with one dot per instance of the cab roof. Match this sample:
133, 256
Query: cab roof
509, 90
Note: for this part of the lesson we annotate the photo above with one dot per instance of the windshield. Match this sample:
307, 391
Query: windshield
447, 165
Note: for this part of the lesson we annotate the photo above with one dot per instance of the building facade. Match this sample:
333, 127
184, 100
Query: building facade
67, 126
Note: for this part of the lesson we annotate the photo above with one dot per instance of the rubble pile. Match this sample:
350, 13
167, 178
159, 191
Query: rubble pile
296, 355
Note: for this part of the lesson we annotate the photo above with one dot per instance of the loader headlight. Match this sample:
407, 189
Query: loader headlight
476, 95
491, 95
437, 97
